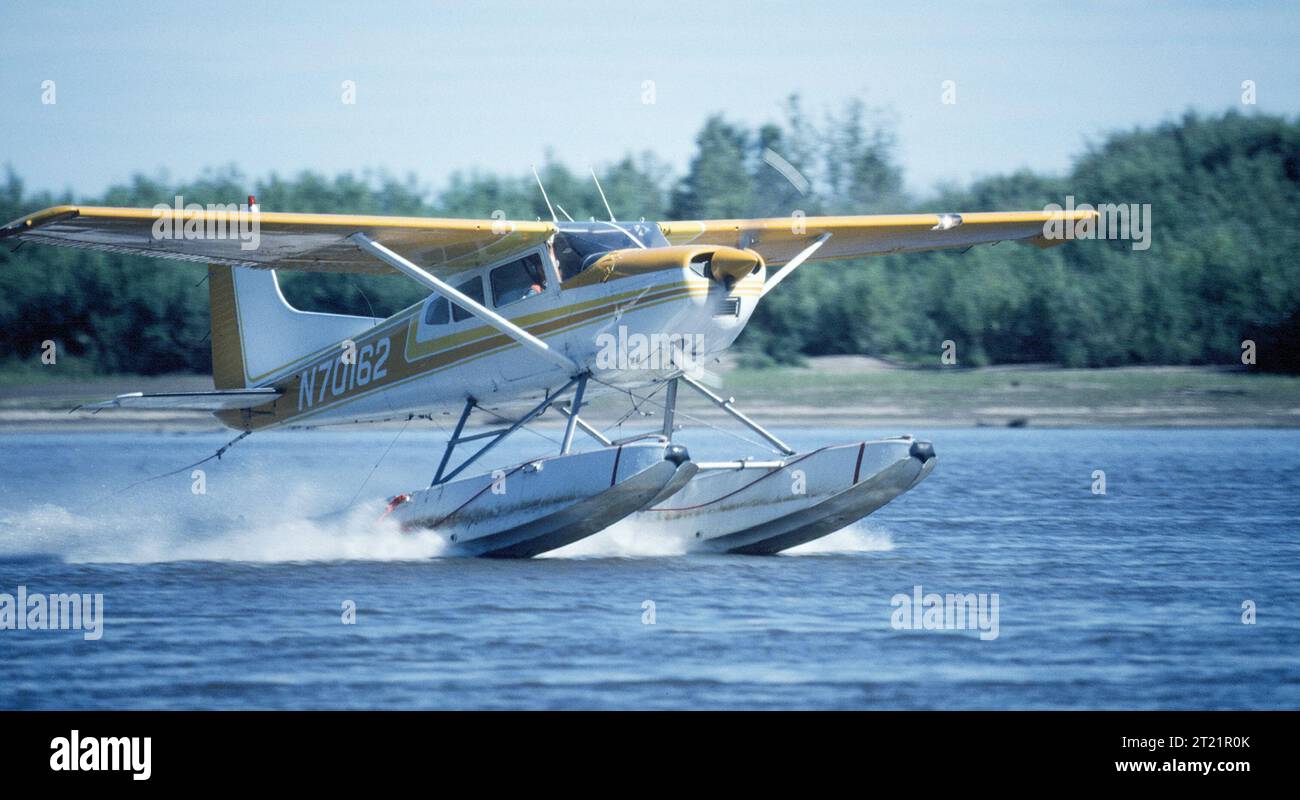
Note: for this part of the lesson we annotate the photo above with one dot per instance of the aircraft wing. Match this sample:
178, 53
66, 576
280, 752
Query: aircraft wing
223, 400
779, 240
301, 242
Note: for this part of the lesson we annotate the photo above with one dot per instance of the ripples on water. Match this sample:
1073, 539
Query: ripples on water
233, 599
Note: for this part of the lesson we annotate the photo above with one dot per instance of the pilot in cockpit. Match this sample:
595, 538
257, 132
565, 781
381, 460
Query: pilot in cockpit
567, 260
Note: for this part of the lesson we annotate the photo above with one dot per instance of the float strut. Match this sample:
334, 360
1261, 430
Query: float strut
726, 405
586, 427
572, 424
670, 408
455, 438
498, 437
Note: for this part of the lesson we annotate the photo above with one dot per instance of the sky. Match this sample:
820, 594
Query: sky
172, 89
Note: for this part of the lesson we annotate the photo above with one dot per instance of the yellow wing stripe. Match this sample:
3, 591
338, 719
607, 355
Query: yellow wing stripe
305, 221
272, 240
779, 239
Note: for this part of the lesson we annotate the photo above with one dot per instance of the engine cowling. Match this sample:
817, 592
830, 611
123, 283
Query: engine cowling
720, 263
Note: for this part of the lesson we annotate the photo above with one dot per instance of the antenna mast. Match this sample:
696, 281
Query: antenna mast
544, 197
602, 195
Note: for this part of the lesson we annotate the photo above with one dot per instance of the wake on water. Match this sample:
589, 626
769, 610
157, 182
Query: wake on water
136, 531
71, 506
857, 538
55, 532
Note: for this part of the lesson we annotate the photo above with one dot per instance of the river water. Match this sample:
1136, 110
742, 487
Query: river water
1176, 588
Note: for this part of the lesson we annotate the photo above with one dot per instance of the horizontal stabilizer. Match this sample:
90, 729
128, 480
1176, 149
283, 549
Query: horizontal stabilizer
189, 401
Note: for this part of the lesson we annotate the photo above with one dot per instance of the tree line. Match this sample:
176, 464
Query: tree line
1223, 194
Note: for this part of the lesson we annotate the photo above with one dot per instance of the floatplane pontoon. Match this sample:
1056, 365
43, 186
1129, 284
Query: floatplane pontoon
525, 318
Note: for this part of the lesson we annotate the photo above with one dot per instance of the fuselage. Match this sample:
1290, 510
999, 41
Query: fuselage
631, 315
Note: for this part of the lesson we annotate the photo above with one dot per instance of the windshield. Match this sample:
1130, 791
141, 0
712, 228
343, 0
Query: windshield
579, 244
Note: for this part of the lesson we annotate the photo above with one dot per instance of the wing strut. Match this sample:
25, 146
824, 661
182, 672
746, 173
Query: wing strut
790, 266
529, 341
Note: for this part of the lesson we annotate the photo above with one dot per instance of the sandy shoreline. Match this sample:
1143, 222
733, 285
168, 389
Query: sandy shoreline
829, 392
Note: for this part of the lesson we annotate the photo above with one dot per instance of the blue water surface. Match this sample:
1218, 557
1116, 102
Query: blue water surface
234, 597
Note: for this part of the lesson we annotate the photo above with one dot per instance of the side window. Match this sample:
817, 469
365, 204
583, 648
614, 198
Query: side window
517, 280
438, 312
473, 288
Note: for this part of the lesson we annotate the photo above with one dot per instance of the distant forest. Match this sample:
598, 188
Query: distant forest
1222, 266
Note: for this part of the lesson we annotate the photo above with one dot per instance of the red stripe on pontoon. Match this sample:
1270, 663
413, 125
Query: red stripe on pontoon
613, 479
474, 497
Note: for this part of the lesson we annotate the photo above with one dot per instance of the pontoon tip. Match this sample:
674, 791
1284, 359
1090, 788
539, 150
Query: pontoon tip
677, 454
921, 451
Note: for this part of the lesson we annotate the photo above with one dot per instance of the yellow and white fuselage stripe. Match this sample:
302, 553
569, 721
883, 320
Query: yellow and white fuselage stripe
402, 366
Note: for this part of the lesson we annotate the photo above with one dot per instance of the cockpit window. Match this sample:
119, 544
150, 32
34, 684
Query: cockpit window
440, 312
521, 278
578, 245
472, 288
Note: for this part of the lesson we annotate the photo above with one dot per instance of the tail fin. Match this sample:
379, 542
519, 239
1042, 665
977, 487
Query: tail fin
255, 332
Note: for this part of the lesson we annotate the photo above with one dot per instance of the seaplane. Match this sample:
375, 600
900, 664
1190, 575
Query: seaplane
525, 318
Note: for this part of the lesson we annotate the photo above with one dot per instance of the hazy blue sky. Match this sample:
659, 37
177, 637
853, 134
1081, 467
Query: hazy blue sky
441, 87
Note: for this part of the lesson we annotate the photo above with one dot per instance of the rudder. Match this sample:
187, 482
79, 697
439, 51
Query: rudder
227, 349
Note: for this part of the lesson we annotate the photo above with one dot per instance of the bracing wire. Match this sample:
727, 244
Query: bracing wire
371, 473
217, 455
650, 399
